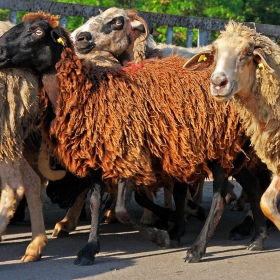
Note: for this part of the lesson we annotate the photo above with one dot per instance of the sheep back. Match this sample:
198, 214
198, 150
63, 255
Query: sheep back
131, 122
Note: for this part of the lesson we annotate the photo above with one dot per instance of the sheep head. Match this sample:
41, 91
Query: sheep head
37, 42
110, 31
236, 57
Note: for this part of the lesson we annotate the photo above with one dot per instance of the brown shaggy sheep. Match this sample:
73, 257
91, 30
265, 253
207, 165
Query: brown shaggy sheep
136, 124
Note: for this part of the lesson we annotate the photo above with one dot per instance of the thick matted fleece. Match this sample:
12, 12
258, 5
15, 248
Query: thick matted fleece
19, 108
140, 121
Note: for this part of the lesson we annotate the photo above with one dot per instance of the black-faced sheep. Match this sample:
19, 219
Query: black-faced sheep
247, 70
134, 124
19, 112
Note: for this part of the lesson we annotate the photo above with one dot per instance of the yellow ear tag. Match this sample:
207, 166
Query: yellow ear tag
261, 66
202, 58
60, 41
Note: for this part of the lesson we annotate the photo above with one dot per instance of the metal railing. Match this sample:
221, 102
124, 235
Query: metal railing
204, 25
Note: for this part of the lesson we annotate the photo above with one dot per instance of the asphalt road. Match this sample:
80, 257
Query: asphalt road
125, 254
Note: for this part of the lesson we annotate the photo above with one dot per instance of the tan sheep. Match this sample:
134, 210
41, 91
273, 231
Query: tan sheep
247, 69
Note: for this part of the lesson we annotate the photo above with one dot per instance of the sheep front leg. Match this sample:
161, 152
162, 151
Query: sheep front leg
195, 253
32, 187
87, 255
269, 201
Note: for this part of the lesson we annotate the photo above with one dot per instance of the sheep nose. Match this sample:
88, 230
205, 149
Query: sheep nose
219, 80
84, 37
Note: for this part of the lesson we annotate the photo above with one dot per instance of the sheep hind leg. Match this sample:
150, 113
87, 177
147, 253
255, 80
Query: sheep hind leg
219, 201
10, 175
147, 218
166, 214
247, 226
269, 201
125, 189
86, 256
69, 222
32, 187
251, 186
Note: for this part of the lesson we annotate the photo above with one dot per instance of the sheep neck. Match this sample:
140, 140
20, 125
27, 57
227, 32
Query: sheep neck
50, 83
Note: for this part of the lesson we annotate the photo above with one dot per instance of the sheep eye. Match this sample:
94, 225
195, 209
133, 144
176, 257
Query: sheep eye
118, 22
39, 32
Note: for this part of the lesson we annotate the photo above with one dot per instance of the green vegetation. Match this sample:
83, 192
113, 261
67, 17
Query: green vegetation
239, 10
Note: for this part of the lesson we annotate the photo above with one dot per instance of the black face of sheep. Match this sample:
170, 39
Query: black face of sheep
33, 43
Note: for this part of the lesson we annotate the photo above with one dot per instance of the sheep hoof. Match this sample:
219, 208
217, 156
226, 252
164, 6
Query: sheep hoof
158, 237
256, 245
87, 255
82, 261
62, 234
30, 258
192, 257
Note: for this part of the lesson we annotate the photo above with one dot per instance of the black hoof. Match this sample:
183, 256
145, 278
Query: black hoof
63, 234
83, 261
192, 257
87, 255
256, 245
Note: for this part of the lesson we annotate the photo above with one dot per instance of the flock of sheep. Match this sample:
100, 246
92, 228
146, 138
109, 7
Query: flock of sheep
122, 114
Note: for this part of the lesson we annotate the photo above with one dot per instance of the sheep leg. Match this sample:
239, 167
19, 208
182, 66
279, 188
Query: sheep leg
32, 184
70, 221
247, 226
110, 205
11, 191
147, 218
86, 256
195, 253
125, 189
179, 194
251, 186
166, 214
269, 201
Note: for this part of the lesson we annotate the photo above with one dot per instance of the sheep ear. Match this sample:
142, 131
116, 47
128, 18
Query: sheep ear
137, 25
58, 36
200, 61
259, 57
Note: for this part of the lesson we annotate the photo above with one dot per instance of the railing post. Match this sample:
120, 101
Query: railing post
189, 38
63, 22
203, 37
169, 34
13, 17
